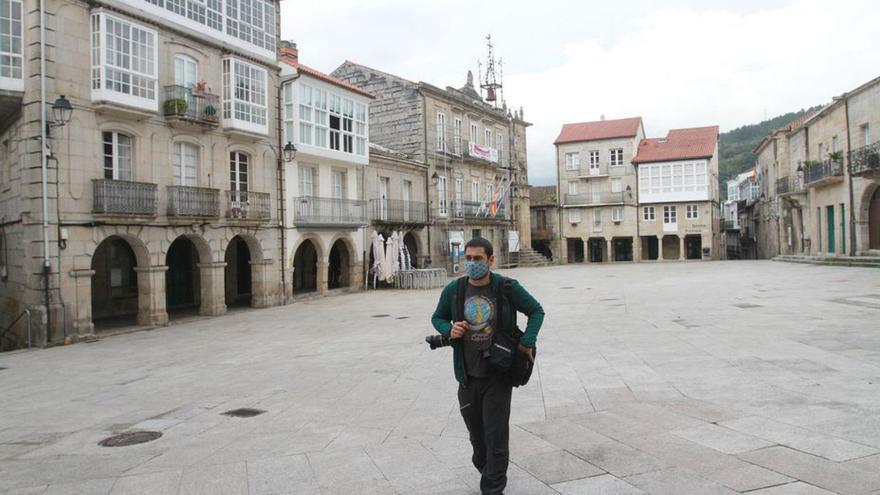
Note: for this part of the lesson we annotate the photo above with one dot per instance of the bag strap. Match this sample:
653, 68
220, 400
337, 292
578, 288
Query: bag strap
460, 290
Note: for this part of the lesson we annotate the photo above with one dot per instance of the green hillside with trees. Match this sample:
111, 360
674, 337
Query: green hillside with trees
736, 146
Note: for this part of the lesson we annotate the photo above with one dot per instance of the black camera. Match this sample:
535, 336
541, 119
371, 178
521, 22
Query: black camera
435, 341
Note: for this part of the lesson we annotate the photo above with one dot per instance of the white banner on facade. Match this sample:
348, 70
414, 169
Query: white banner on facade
512, 241
483, 152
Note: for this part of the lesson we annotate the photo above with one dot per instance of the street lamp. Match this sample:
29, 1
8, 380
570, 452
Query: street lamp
61, 111
289, 152
435, 178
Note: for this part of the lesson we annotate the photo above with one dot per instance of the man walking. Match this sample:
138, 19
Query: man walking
471, 315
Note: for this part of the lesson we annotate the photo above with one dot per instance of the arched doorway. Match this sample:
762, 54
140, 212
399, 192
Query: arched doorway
182, 284
412, 247
305, 268
339, 271
114, 284
874, 220
237, 274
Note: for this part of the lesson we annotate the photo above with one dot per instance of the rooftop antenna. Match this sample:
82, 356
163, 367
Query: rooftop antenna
490, 81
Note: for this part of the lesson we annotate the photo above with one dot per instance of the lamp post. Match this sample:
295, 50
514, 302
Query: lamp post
288, 152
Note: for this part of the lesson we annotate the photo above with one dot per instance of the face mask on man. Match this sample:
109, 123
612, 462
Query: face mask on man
476, 269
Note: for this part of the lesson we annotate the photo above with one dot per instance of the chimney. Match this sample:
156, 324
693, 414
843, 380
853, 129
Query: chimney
287, 51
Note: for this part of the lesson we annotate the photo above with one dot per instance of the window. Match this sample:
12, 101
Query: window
574, 215
572, 187
456, 136
648, 213
617, 214
834, 144
442, 205
208, 13
866, 134
321, 117
597, 217
821, 152
473, 132
572, 161
339, 184
665, 178
499, 143
441, 131
10, 40
306, 127
186, 71
306, 181
123, 61
615, 157
459, 196
490, 192
238, 171
616, 185
692, 212
670, 215
360, 128
487, 137
252, 21
117, 155
594, 160
185, 161
475, 190
244, 94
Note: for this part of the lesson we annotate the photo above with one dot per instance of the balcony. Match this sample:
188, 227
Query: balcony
122, 197
189, 106
729, 225
592, 172
865, 160
789, 185
248, 205
187, 201
329, 212
398, 212
600, 198
818, 173
476, 210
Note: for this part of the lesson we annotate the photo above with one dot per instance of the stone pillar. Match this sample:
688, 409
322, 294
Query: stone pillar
82, 323
637, 249
212, 278
323, 276
287, 288
356, 275
586, 250
609, 250
261, 283
681, 251
659, 248
151, 295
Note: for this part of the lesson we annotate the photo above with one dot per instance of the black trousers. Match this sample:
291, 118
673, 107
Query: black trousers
485, 407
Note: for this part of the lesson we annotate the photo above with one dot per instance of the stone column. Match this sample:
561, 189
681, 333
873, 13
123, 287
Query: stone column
586, 250
82, 323
323, 276
637, 249
681, 252
261, 285
659, 248
151, 295
609, 253
212, 278
356, 275
287, 288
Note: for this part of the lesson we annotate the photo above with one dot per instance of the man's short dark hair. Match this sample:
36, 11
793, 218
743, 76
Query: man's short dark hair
480, 243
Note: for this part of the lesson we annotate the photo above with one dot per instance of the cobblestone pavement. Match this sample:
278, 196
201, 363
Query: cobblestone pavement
678, 378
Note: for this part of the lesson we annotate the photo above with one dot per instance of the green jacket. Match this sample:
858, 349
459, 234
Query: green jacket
519, 301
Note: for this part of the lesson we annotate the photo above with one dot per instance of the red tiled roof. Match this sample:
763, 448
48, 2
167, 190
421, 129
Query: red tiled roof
794, 124
679, 144
602, 129
305, 69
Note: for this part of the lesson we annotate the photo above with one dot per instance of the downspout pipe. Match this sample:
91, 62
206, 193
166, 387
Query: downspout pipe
279, 160
44, 154
849, 180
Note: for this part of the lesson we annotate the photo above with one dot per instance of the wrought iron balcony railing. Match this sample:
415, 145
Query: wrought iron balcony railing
865, 159
819, 171
398, 211
789, 185
248, 205
596, 198
329, 212
192, 105
729, 225
122, 197
187, 201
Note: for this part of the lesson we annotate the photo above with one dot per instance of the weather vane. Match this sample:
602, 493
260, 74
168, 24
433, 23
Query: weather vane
492, 79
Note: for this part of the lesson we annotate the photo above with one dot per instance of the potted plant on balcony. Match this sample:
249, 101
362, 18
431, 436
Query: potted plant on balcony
200, 87
176, 106
209, 113
836, 156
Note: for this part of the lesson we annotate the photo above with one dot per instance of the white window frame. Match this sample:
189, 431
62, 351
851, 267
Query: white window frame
670, 215
499, 144
119, 170
12, 58
474, 131
866, 134
131, 44
692, 212
442, 201
572, 187
490, 191
475, 190
456, 136
615, 157
574, 215
616, 184
306, 178
617, 214
245, 96
239, 165
181, 166
673, 181
441, 131
361, 123
487, 136
572, 160
648, 214
339, 183
459, 196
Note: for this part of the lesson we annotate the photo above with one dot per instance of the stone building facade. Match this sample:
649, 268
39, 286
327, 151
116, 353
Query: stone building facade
162, 190
819, 181
597, 197
544, 222
465, 144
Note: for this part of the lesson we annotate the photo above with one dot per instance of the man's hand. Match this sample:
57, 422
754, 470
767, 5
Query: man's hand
528, 352
459, 328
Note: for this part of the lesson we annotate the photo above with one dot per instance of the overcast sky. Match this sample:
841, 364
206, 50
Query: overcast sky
687, 63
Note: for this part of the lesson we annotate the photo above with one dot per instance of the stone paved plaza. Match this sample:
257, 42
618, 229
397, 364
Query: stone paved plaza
678, 378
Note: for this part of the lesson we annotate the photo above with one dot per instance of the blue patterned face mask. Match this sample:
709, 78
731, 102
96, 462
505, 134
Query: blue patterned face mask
476, 269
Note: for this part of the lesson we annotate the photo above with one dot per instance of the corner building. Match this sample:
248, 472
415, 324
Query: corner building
162, 190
